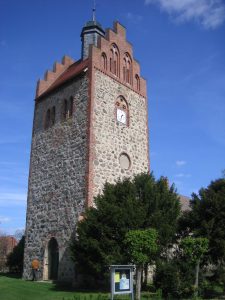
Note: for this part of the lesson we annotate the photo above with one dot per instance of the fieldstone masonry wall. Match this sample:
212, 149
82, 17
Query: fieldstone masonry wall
72, 159
57, 188
112, 137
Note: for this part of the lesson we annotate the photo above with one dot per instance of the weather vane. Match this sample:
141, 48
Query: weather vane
93, 10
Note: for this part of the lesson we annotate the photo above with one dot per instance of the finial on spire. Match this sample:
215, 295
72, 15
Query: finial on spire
93, 11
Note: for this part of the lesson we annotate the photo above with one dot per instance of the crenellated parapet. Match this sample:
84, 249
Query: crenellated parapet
51, 76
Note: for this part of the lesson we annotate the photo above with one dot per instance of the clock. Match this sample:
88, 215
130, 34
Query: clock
121, 116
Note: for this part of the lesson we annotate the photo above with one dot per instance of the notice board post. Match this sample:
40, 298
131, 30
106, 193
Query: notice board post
122, 280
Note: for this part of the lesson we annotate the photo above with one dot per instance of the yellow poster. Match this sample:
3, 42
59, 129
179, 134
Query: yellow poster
117, 277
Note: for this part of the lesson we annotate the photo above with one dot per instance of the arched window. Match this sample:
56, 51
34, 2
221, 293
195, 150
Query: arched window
114, 60
111, 60
47, 119
127, 68
104, 61
137, 79
124, 69
122, 112
71, 107
65, 109
53, 116
68, 108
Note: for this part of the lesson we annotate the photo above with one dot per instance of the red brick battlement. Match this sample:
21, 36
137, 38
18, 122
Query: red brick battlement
51, 76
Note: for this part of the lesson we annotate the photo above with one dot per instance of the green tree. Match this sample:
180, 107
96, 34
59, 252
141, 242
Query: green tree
15, 258
141, 203
141, 245
207, 219
3, 251
162, 208
194, 249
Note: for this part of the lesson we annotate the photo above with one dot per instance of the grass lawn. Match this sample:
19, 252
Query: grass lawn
18, 289
12, 288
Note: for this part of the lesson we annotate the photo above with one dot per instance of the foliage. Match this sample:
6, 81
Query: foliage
175, 278
194, 248
167, 278
3, 250
207, 218
141, 203
15, 258
141, 244
162, 207
211, 290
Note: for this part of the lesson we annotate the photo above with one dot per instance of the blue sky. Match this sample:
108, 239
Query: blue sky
180, 45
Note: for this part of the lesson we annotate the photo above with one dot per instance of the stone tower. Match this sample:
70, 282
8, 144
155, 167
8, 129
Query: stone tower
90, 126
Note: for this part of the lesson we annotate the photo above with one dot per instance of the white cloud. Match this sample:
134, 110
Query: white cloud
209, 13
4, 219
11, 230
180, 163
12, 199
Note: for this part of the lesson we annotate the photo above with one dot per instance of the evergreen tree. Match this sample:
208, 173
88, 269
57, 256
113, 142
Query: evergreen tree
15, 258
207, 219
140, 203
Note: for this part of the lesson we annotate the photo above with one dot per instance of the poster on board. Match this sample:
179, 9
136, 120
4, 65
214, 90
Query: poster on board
122, 280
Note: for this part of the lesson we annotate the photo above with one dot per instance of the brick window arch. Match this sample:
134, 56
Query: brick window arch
114, 60
122, 110
67, 108
47, 119
104, 61
127, 68
137, 82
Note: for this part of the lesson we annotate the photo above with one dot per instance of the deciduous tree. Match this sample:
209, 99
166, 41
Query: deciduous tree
141, 245
195, 249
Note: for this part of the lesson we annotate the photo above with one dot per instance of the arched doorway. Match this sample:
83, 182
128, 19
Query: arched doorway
51, 260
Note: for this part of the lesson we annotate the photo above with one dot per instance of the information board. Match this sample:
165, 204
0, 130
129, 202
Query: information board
121, 280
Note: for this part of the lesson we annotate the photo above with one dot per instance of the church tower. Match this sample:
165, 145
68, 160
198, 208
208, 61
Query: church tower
90, 126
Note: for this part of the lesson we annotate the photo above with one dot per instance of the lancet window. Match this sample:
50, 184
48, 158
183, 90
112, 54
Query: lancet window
137, 79
104, 61
127, 68
68, 108
114, 60
49, 118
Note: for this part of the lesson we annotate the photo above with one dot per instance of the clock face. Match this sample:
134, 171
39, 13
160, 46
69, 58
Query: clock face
121, 116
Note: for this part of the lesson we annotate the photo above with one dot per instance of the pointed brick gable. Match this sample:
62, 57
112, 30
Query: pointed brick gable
101, 55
